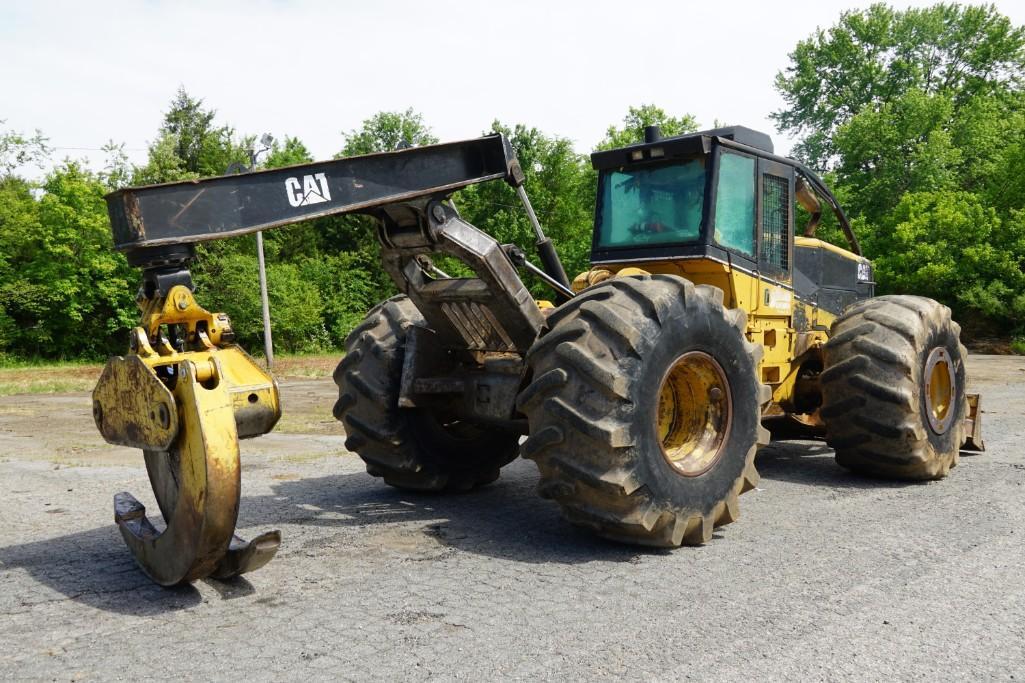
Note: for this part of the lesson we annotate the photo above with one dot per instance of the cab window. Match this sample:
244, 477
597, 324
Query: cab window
735, 203
652, 204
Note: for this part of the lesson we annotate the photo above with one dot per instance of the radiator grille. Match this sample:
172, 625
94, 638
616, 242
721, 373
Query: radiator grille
478, 326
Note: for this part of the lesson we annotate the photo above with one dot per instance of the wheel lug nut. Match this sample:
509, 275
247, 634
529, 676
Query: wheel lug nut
715, 393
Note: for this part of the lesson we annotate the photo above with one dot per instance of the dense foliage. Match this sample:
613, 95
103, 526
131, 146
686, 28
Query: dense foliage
919, 118
916, 117
66, 294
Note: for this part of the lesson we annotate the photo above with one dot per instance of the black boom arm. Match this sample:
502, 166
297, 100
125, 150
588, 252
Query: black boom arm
227, 206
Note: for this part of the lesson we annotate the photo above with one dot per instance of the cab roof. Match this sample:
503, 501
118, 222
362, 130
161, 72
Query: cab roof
681, 145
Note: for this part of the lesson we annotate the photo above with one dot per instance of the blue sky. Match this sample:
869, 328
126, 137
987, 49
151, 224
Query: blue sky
88, 72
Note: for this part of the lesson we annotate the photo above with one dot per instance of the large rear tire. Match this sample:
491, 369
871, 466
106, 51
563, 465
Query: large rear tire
893, 388
410, 448
644, 410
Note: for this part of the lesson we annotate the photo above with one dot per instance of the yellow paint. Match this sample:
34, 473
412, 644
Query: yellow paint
215, 361
770, 308
693, 413
589, 277
203, 521
801, 241
194, 404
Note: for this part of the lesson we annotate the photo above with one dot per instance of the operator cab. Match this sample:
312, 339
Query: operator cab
722, 196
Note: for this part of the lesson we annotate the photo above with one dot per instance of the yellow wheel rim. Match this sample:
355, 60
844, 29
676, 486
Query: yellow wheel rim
694, 413
939, 390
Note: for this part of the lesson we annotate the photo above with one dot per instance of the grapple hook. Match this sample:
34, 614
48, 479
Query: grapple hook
187, 410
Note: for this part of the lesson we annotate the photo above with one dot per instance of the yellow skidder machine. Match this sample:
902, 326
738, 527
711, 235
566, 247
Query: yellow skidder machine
643, 395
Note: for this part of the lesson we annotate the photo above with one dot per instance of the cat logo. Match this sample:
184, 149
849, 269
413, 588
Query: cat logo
313, 190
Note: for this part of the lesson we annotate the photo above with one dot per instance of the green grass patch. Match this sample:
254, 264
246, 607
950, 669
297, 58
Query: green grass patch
42, 377
36, 376
8, 362
44, 385
306, 366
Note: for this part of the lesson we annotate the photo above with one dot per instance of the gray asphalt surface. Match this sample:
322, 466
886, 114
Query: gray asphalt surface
826, 576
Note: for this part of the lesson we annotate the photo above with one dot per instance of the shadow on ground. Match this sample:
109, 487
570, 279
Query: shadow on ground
506, 520
94, 568
811, 463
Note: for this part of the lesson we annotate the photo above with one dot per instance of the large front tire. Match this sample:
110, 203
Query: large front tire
644, 410
893, 388
410, 448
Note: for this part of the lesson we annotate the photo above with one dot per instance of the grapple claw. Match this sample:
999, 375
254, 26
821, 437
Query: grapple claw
128, 510
201, 520
187, 410
973, 426
246, 556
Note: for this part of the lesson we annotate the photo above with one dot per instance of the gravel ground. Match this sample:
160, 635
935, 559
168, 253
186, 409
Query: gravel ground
827, 575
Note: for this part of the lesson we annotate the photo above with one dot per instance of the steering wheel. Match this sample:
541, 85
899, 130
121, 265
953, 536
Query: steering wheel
651, 225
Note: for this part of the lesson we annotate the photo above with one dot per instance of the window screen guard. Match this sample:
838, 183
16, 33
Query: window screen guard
775, 247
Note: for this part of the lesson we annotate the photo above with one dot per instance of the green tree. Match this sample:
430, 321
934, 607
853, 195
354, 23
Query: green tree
291, 151
117, 169
189, 126
348, 286
352, 237
70, 294
952, 247
190, 145
879, 54
19, 222
164, 165
918, 116
559, 184
1007, 190
637, 119
903, 146
383, 132
919, 142
18, 149
204, 148
386, 131
296, 303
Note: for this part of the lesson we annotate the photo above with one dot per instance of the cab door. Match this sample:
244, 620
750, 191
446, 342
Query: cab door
775, 221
